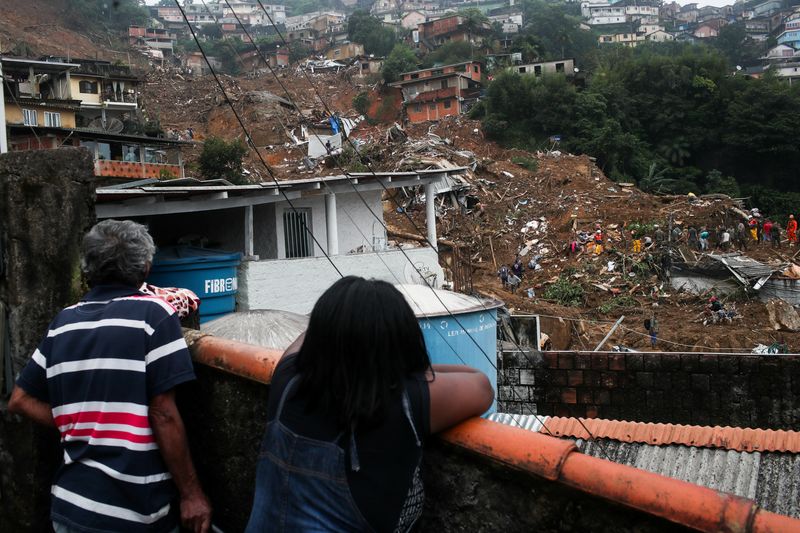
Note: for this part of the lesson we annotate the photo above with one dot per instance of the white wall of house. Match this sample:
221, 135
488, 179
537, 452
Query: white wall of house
349, 206
295, 284
351, 217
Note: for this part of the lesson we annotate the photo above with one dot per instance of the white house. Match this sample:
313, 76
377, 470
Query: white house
285, 266
560, 66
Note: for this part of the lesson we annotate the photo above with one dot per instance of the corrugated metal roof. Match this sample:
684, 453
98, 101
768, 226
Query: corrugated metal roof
729, 438
529, 422
771, 478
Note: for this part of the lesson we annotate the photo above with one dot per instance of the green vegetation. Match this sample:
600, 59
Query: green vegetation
618, 302
361, 102
365, 29
401, 59
350, 160
222, 159
670, 116
450, 53
565, 292
94, 14
527, 163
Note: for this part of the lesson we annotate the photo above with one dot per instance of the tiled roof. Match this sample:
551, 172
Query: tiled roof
737, 439
721, 459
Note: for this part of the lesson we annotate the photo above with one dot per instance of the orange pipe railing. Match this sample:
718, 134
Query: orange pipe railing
549, 457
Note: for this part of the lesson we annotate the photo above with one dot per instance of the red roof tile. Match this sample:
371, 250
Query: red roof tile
739, 439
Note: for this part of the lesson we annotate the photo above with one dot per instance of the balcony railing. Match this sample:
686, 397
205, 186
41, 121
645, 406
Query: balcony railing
127, 169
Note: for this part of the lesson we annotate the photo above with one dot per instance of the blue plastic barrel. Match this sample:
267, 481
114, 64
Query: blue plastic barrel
211, 274
458, 329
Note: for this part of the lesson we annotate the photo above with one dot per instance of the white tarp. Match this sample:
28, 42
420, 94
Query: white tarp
316, 144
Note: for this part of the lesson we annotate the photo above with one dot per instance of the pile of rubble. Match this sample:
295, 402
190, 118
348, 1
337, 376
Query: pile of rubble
505, 203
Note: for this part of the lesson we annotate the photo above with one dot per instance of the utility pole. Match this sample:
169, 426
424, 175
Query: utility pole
613, 329
3, 136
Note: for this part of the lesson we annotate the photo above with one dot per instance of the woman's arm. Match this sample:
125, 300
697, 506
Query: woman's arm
457, 393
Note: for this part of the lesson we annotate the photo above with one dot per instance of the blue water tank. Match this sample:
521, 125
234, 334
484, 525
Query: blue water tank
211, 274
458, 329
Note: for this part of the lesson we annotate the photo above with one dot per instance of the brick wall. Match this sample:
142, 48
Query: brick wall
681, 388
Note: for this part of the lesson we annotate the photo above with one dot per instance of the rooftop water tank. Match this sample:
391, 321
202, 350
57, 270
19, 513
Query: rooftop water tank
458, 329
211, 274
268, 328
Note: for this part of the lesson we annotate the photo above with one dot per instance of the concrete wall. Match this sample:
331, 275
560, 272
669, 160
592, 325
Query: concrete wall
46, 205
758, 391
225, 418
295, 284
354, 220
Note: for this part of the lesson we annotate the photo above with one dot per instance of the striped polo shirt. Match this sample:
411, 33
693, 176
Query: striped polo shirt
99, 366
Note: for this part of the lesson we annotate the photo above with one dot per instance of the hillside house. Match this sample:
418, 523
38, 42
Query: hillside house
161, 39
433, 93
432, 34
369, 65
251, 12
52, 103
705, 31
285, 268
767, 8
195, 62
787, 70
345, 51
781, 52
412, 20
757, 29
790, 35
659, 36
565, 67
688, 13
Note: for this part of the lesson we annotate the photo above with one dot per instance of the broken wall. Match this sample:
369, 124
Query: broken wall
756, 391
46, 205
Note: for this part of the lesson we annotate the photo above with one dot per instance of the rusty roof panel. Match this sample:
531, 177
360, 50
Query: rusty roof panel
728, 438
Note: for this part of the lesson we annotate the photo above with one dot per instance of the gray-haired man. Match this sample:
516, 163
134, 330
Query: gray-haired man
104, 375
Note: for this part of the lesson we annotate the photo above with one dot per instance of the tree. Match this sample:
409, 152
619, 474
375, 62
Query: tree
401, 59
211, 31
116, 16
449, 53
365, 29
222, 159
737, 46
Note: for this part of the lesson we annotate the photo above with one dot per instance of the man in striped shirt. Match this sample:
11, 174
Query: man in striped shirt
104, 375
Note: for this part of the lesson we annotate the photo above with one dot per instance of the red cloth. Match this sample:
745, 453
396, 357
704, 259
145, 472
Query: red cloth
184, 301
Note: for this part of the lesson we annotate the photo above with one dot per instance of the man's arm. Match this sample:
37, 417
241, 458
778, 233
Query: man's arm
170, 435
22, 403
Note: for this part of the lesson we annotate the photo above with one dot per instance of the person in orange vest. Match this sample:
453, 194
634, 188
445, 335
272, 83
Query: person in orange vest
791, 230
598, 242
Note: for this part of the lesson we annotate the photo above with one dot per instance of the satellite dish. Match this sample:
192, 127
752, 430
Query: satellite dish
113, 125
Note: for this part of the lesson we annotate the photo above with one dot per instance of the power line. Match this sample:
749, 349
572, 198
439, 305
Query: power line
289, 96
250, 139
380, 221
